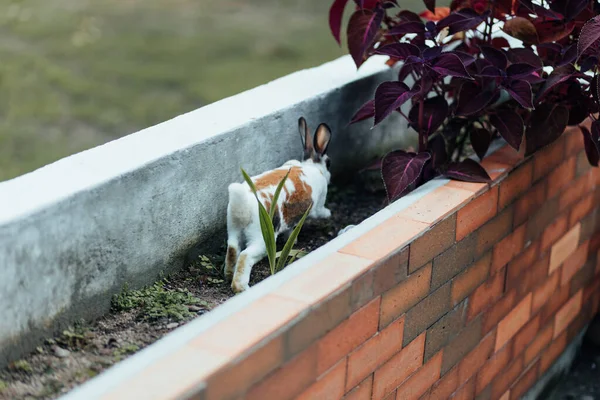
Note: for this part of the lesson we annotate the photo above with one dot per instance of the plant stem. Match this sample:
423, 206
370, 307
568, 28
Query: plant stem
422, 135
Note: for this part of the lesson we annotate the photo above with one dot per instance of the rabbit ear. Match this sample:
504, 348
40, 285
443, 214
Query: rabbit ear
305, 136
322, 138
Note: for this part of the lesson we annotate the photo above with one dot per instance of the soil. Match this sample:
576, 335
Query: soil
139, 318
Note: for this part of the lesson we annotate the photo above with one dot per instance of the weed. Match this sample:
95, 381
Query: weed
3, 386
22, 366
156, 302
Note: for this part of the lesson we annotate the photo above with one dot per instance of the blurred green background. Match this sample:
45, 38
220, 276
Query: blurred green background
78, 73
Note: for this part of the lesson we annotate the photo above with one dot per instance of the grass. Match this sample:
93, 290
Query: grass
156, 302
78, 73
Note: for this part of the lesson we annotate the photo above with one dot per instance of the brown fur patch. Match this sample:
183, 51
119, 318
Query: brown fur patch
231, 256
297, 203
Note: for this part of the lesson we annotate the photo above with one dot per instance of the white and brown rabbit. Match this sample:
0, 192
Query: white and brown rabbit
306, 185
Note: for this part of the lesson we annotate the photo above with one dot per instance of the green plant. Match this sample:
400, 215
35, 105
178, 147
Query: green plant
157, 302
277, 260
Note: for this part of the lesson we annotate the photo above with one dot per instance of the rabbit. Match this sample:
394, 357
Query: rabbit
306, 185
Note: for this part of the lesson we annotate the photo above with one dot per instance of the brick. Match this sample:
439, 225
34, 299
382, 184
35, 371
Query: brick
467, 281
329, 386
374, 353
530, 202
552, 352
513, 322
526, 381
235, 379
472, 362
592, 288
553, 232
385, 239
391, 374
318, 322
438, 204
493, 231
415, 386
441, 236
506, 395
539, 343
573, 141
506, 155
452, 261
556, 301
465, 392
525, 336
567, 313
485, 394
581, 209
522, 263
476, 213
540, 218
573, 193
578, 324
485, 295
507, 377
529, 278
467, 340
362, 291
391, 271
508, 248
574, 263
362, 391
564, 247
443, 388
323, 279
544, 291
589, 227
348, 335
561, 177
546, 159
405, 295
499, 310
444, 329
289, 380
426, 312
582, 165
515, 184
491, 368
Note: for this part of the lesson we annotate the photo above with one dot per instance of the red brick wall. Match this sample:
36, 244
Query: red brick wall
471, 292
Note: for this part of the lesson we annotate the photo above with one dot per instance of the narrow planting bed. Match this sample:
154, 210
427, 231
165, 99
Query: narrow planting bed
139, 318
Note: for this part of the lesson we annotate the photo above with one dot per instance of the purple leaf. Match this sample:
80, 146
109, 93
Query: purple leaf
366, 111
406, 15
480, 141
399, 51
406, 27
450, 65
553, 79
465, 58
462, 20
589, 36
521, 91
574, 7
524, 55
490, 71
591, 143
432, 52
570, 55
510, 126
435, 111
389, 96
546, 124
495, 56
437, 146
467, 170
362, 28
336, 12
400, 170
405, 70
520, 70
473, 98
430, 4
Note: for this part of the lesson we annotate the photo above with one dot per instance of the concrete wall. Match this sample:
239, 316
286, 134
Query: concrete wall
73, 232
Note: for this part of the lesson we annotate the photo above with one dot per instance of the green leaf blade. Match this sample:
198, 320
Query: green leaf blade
290, 242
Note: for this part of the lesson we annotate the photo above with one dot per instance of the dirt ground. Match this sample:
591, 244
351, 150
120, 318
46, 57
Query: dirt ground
140, 318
